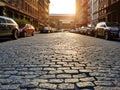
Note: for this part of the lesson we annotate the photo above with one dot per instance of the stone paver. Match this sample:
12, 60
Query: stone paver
60, 61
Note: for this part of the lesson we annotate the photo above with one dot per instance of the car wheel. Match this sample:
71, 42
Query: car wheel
15, 34
48, 31
107, 36
32, 33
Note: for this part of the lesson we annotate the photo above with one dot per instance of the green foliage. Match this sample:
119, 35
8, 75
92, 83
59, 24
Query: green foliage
21, 21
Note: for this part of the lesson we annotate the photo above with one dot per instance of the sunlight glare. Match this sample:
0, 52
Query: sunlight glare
62, 6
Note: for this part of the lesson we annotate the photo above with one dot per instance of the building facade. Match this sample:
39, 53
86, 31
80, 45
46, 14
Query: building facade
44, 11
113, 11
81, 12
104, 10
61, 21
109, 10
90, 11
95, 12
31, 10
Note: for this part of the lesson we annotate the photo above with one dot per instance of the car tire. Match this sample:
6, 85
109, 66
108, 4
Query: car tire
106, 36
15, 35
48, 31
32, 33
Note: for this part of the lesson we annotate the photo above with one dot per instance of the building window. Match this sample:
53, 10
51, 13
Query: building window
21, 4
16, 2
3, 0
10, 1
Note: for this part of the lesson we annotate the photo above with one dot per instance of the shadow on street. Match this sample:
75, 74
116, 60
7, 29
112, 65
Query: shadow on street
4, 39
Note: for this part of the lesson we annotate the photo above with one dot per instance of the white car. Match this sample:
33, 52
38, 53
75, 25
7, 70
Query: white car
8, 27
108, 30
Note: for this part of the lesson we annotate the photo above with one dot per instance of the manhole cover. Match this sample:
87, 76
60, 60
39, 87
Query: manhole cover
66, 51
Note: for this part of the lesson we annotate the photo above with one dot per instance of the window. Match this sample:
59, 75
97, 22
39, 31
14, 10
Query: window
10, 1
21, 4
8, 21
102, 25
2, 20
16, 2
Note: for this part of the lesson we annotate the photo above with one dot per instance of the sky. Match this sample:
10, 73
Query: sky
62, 6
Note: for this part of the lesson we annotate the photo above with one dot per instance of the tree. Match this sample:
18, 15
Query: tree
21, 21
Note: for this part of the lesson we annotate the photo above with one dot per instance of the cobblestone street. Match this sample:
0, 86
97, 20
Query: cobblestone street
60, 61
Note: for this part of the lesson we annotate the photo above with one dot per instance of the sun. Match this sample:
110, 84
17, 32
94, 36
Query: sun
62, 7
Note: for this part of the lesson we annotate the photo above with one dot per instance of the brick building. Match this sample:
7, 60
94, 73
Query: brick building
104, 10
62, 21
93, 11
35, 11
113, 11
43, 8
81, 12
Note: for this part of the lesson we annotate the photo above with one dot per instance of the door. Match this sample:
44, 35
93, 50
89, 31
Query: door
9, 27
102, 30
2, 27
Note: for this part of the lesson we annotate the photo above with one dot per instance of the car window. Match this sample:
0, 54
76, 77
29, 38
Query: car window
2, 20
113, 24
26, 25
102, 25
8, 21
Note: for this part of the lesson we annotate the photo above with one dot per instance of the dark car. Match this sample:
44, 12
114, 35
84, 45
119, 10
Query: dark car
8, 27
90, 30
46, 29
26, 30
83, 30
108, 30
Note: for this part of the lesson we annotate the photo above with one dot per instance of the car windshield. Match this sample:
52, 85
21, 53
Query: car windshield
113, 24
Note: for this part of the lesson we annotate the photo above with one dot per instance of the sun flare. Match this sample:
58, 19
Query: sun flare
62, 7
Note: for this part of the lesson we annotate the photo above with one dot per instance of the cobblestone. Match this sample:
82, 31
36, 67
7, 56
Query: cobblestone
104, 83
48, 86
60, 61
66, 86
56, 81
87, 85
10, 87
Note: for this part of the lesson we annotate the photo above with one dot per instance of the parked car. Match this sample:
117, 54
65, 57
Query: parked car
8, 27
72, 31
108, 30
46, 29
83, 30
26, 30
77, 30
90, 30
53, 30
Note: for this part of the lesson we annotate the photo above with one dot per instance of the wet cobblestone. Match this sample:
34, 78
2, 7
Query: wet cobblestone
60, 61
